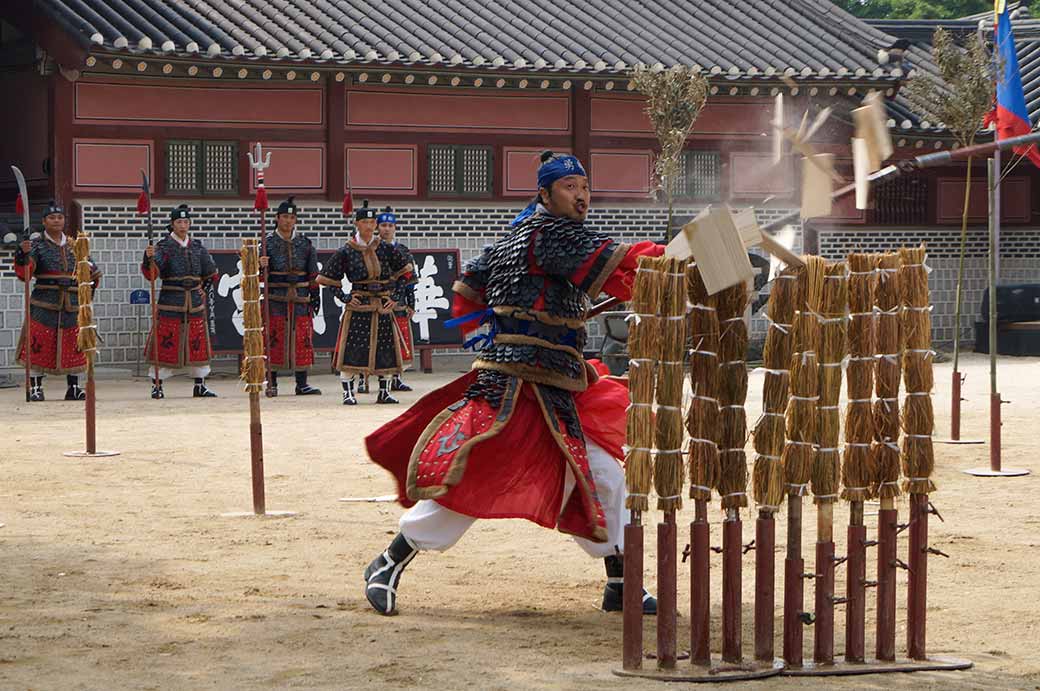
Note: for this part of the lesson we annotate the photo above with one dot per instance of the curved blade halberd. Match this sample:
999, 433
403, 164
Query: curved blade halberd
22, 190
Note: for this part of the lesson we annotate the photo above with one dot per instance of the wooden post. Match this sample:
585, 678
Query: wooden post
256, 454
794, 568
917, 592
700, 586
426, 359
823, 636
732, 547
955, 405
855, 585
667, 597
90, 407
765, 585
886, 589
632, 616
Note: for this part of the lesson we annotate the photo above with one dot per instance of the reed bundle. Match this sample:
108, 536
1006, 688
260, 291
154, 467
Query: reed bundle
668, 433
702, 421
253, 370
800, 450
643, 351
858, 467
833, 323
767, 484
86, 340
886, 377
731, 304
918, 416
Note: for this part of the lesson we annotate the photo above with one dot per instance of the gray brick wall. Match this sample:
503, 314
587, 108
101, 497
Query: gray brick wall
118, 240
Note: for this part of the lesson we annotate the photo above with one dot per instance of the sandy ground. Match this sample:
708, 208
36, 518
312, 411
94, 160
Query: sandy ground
122, 572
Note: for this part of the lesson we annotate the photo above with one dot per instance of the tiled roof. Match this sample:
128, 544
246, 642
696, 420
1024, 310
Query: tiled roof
730, 38
919, 34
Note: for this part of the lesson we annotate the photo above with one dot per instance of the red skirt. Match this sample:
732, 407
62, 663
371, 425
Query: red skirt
513, 459
300, 335
52, 350
179, 346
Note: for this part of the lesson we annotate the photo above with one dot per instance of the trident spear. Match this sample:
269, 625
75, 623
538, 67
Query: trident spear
23, 202
259, 163
144, 206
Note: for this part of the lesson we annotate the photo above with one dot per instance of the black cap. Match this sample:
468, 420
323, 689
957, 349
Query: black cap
364, 211
53, 207
287, 207
181, 211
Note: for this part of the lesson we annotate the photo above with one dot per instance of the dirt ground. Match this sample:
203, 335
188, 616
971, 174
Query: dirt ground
122, 572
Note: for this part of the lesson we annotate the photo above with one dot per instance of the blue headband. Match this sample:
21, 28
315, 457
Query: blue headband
549, 172
386, 217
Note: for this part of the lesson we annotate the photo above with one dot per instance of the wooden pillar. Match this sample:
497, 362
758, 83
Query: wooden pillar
62, 103
335, 139
581, 122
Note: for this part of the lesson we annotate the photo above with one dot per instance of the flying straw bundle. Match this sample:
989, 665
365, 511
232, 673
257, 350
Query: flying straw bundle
253, 372
767, 475
732, 383
668, 465
643, 350
918, 417
799, 451
858, 468
86, 341
886, 377
833, 308
702, 422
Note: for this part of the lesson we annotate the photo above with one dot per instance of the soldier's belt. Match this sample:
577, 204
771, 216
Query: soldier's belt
286, 298
369, 293
529, 314
518, 339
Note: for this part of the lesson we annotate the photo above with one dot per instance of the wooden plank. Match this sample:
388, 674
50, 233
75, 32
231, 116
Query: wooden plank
817, 185
716, 246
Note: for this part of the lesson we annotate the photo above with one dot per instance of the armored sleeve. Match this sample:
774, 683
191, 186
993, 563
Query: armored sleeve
209, 267
23, 259
472, 284
153, 269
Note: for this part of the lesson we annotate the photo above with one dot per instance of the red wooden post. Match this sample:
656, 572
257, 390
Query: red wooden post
732, 547
955, 405
667, 597
91, 412
632, 633
855, 587
256, 447
823, 633
794, 598
886, 589
917, 592
426, 359
700, 587
994, 432
765, 585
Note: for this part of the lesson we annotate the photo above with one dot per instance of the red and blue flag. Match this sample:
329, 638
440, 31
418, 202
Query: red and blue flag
1011, 115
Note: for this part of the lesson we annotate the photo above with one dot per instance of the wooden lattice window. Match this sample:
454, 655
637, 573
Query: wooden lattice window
700, 176
902, 201
202, 167
456, 170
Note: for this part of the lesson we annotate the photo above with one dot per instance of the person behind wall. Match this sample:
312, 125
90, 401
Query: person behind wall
186, 269
52, 332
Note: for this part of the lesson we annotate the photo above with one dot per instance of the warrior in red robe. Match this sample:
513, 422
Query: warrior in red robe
292, 263
531, 432
52, 331
186, 269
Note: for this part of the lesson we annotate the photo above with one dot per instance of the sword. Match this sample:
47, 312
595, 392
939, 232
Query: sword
27, 325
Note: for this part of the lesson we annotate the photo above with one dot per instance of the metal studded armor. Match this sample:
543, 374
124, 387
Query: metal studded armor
404, 299
53, 306
292, 271
369, 340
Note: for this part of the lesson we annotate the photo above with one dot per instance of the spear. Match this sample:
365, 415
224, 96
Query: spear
144, 206
259, 163
22, 205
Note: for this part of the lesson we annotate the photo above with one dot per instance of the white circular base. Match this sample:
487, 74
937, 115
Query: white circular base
959, 441
1003, 472
87, 454
385, 497
250, 514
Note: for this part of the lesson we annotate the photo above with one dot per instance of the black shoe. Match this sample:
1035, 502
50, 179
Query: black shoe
384, 574
307, 390
157, 391
362, 386
614, 591
202, 392
36, 393
397, 385
74, 393
271, 392
385, 397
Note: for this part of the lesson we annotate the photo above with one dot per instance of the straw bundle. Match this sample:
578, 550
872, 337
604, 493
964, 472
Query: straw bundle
702, 422
918, 417
668, 433
767, 475
800, 450
833, 308
253, 373
643, 348
732, 384
886, 377
86, 341
858, 469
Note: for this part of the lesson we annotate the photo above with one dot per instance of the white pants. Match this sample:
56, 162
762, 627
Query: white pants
428, 525
196, 372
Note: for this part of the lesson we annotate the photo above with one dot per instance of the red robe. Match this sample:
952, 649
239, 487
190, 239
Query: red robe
518, 470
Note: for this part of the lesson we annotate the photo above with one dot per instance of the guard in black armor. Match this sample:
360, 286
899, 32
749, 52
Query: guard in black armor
404, 293
292, 264
186, 269
368, 342
52, 331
